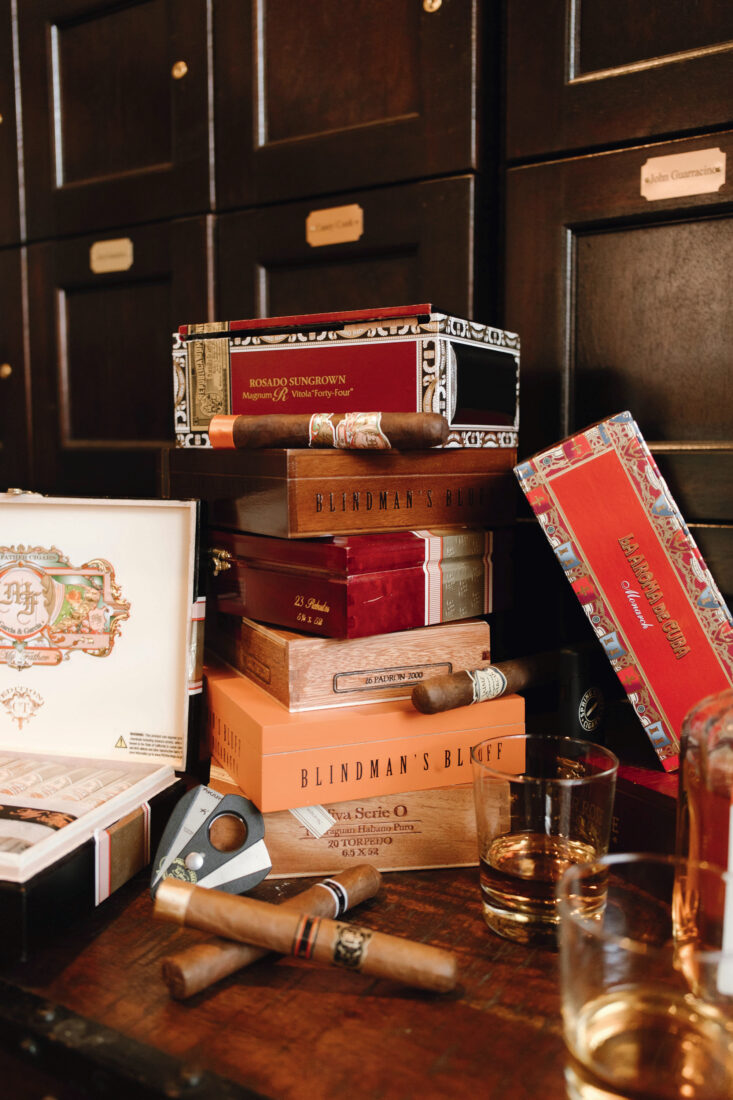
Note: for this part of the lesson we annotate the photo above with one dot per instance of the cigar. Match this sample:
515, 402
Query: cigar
200, 966
352, 431
461, 689
318, 939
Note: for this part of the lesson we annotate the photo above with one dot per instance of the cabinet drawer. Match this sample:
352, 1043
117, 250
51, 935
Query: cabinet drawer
115, 109
414, 243
587, 73
100, 348
320, 98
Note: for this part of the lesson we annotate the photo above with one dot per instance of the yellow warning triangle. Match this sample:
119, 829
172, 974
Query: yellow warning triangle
120, 743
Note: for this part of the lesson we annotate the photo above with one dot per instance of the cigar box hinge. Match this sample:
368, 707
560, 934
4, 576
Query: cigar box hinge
220, 560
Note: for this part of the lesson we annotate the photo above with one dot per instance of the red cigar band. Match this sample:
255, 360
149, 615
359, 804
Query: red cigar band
221, 431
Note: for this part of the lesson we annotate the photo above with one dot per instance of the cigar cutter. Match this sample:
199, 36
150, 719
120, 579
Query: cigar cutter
213, 839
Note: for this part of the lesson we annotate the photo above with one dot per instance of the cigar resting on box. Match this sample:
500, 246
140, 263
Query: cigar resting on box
318, 939
198, 967
374, 431
461, 689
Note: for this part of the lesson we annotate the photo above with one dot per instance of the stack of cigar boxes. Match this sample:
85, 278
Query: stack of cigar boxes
340, 579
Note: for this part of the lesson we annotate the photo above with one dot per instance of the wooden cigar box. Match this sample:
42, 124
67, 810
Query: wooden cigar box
306, 673
352, 586
286, 760
101, 640
400, 359
299, 493
411, 831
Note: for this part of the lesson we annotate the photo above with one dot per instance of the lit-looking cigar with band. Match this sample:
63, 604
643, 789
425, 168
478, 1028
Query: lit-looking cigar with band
363, 431
317, 939
190, 971
461, 689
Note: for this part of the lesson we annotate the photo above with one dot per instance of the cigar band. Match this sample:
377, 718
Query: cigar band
337, 892
488, 683
361, 431
321, 432
306, 934
350, 946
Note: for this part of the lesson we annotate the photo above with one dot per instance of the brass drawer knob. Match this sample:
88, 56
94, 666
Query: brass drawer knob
5, 370
179, 70
220, 560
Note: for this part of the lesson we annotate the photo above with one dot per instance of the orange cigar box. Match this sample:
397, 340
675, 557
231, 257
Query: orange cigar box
285, 760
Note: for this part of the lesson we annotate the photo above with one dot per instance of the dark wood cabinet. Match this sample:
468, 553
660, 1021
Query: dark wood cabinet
100, 352
623, 302
416, 243
115, 107
326, 97
10, 229
14, 379
585, 74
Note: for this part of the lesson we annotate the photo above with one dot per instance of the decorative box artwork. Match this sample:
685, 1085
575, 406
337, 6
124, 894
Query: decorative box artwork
401, 359
285, 760
302, 493
630, 558
100, 684
305, 672
355, 586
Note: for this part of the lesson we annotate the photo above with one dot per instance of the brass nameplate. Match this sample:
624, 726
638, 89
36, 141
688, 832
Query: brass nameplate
698, 173
334, 225
114, 255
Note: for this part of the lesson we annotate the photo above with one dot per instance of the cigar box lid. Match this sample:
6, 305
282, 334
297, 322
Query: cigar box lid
100, 629
267, 727
310, 320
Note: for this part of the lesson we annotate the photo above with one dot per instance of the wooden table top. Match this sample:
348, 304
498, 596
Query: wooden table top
94, 1003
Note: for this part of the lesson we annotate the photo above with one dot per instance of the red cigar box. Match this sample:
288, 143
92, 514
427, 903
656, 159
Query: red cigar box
633, 564
101, 643
398, 359
359, 585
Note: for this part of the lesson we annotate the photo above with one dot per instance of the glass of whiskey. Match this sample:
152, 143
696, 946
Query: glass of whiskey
646, 979
542, 804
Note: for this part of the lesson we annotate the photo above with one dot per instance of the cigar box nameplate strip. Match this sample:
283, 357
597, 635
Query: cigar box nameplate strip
700, 172
375, 679
113, 255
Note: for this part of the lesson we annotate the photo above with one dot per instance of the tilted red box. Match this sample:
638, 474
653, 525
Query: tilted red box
629, 556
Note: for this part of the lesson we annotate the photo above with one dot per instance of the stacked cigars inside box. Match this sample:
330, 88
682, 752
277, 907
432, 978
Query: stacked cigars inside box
343, 575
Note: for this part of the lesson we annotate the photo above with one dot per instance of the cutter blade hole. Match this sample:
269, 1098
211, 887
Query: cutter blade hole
227, 832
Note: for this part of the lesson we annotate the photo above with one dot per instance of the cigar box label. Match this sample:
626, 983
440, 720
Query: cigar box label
697, 173
114, 255
376, 679
334, 225
207, 363
637, 572
50, 609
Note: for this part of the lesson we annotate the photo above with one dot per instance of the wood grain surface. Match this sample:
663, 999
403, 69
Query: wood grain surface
287, 1029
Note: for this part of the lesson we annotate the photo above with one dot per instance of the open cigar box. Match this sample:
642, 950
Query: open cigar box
101, 631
